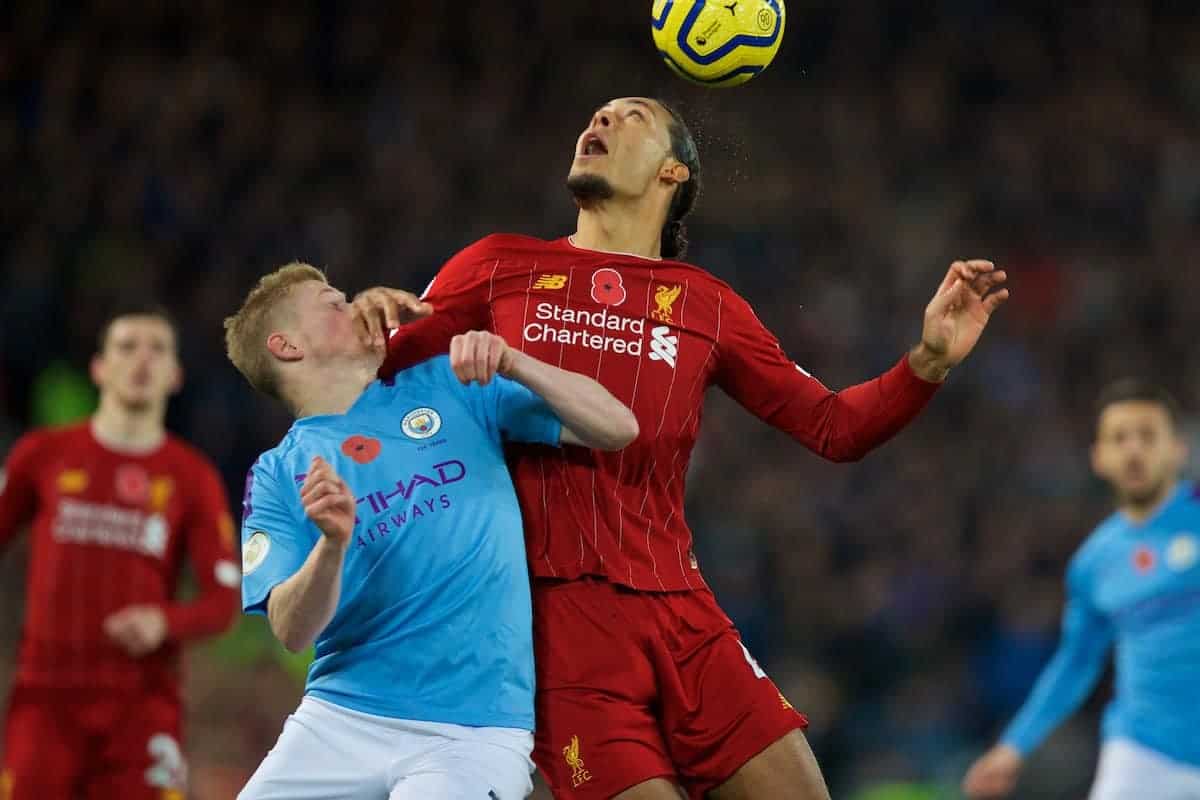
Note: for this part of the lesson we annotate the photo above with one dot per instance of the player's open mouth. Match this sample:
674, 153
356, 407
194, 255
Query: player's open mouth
593, 146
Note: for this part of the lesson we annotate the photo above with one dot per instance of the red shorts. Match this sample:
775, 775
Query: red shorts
640, 685
64, 744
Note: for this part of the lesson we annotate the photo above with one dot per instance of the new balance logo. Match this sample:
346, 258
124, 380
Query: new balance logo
550, 282
663, 346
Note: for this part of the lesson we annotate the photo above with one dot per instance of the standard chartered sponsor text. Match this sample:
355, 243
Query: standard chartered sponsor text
579, 327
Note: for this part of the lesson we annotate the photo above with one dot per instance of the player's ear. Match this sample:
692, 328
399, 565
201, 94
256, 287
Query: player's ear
674, 172
177, 379
1097, 460
1182, 451
283, 348
96, 369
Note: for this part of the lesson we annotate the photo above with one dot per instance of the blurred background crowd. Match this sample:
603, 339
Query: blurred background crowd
178, 151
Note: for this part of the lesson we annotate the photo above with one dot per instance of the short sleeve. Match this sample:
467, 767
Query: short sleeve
276, 539
521, 415
508, 410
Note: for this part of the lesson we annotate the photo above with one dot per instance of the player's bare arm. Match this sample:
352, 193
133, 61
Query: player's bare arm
994, 774
301, 607
956, 316
590, 415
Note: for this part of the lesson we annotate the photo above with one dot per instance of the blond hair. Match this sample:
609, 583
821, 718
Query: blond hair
246, 331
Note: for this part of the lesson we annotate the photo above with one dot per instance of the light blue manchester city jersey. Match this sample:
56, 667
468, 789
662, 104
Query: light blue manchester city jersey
434, 619
1135, 586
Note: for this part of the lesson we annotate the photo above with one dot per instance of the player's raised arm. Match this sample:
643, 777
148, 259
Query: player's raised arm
1063, 685
590, 415
846, 425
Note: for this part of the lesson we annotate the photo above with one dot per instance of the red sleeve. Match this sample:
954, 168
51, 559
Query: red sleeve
18, 486
458, 294
208, 532
839, 426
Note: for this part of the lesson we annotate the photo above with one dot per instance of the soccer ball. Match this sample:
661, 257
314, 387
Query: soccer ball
717, 42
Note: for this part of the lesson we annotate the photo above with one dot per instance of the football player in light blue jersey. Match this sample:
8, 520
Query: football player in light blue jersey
1134, 586
385, 528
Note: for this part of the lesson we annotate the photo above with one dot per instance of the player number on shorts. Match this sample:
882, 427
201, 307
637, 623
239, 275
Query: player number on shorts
168, 770
758, 671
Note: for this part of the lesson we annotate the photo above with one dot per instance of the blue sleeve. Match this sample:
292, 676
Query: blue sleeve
508, 410
276, 540
521, 415
1071, 674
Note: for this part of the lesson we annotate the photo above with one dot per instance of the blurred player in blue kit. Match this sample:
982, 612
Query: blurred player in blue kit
385, 528
1133, 585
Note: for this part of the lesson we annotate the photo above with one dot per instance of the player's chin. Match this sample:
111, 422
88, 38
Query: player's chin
139, 398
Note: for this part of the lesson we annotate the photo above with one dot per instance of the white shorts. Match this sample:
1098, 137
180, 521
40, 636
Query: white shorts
327, 752
1129, 771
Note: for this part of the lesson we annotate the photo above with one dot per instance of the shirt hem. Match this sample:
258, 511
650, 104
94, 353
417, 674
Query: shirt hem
426, 714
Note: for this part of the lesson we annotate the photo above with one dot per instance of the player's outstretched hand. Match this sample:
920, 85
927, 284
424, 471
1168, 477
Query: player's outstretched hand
328, 501
379, 309
959, 311
138, 630
480, 356
994, 774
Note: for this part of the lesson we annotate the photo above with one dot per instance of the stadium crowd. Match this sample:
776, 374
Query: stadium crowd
906, 603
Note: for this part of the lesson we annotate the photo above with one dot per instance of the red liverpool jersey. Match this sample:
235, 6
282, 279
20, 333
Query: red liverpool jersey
111, 530
657, 334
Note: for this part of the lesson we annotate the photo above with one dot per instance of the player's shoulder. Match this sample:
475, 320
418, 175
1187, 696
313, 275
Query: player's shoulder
1097, 543
50, 438
698, 278
1191, 497
432, 380
499, 245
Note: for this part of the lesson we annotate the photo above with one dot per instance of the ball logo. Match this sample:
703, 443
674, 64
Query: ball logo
766, 20
254, 551
607, 287
421, 423
1183, 552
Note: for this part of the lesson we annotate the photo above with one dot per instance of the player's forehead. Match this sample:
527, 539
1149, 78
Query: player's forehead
1133, 414
136, 327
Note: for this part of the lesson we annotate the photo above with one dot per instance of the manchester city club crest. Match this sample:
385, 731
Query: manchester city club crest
421, 423
254, 551
1183, 552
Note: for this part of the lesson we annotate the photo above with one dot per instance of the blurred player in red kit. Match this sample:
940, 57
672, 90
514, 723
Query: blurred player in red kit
117, 505
644, 687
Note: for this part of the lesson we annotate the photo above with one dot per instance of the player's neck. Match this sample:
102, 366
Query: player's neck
332, 391
617, 228
1140, 512
127, 430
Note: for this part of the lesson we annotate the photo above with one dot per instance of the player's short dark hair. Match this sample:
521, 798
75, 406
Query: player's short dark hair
1137, 390
135, 309
683, 148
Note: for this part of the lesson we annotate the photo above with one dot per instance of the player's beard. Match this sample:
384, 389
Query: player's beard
1146, 497
588, 189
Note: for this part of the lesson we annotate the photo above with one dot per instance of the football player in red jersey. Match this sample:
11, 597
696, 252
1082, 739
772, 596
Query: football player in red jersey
644, 687
116, 505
